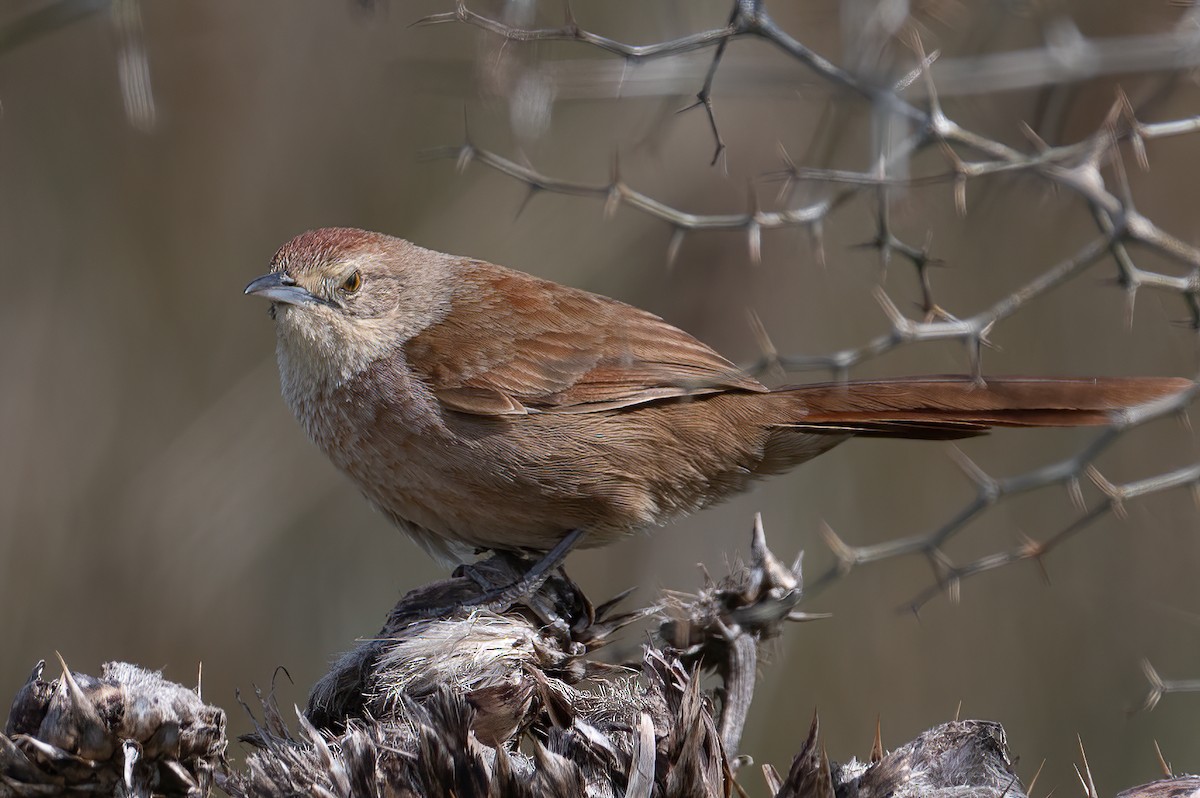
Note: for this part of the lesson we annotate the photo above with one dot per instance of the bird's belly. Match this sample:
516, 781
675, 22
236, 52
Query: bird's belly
474, 488
523, 482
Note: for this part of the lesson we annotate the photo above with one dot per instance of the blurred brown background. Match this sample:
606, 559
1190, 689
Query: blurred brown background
158, 504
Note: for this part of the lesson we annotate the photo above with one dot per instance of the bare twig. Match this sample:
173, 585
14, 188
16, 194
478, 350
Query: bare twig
1091, 169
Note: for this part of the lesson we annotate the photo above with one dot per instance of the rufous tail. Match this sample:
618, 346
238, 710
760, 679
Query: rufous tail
949, 407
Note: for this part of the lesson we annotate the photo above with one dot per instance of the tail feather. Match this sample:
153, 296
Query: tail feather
946, 408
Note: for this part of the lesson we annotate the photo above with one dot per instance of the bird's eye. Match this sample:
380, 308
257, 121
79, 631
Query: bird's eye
353, 282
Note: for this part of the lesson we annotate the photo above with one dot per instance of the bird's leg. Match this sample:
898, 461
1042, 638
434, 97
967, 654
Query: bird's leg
500, 599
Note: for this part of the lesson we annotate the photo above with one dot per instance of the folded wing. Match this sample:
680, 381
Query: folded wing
559, 350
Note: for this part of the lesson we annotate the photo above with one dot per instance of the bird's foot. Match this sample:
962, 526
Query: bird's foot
526, 588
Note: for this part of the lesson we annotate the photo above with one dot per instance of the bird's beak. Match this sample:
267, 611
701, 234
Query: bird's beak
279, 287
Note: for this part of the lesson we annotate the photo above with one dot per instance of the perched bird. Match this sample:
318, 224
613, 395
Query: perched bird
482, 408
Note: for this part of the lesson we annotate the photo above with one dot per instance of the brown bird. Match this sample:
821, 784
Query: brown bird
482, 408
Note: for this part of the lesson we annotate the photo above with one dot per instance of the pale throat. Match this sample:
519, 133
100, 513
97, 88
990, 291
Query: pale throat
319, 352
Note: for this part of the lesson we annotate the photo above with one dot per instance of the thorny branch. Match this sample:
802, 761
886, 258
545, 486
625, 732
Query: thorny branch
1160, 686
1076, 167
1091, 168
1066, 472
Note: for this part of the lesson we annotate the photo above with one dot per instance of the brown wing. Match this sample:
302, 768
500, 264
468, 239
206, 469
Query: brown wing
513, 344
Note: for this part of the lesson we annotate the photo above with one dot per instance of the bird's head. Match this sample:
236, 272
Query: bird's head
344, 298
